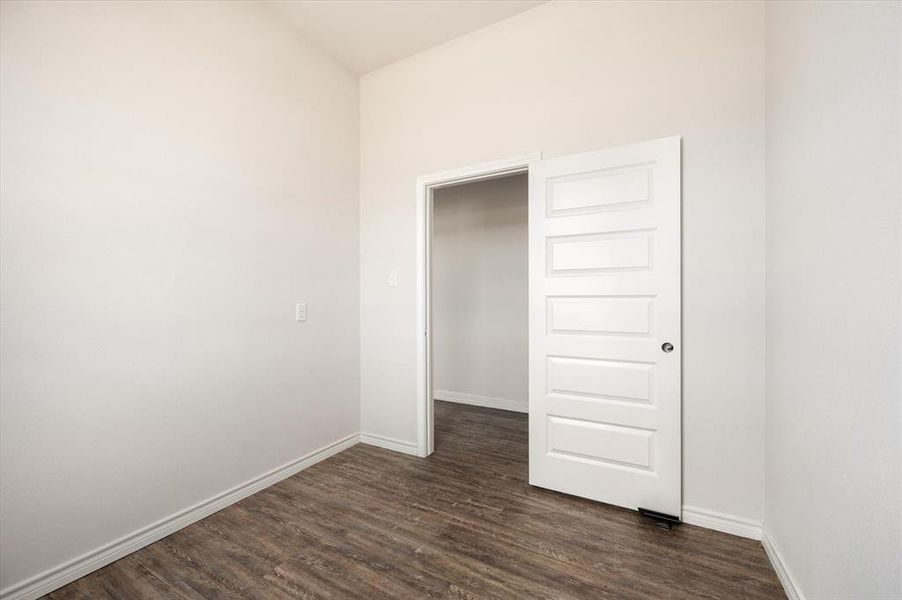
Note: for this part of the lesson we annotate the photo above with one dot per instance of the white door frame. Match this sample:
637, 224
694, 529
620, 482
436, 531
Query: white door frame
426, 184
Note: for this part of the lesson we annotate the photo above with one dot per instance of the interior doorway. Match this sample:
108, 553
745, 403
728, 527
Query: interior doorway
480, 303
604, 321
427, 187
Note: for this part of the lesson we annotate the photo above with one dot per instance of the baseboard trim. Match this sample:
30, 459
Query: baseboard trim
388, 443
776, 559
484, 401
724, 523
55, 578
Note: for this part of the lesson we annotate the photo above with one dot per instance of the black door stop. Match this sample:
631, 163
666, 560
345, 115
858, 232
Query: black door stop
662, 520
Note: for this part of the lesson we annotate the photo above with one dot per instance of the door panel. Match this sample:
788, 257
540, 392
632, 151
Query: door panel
604, 397
611, 315
581, 254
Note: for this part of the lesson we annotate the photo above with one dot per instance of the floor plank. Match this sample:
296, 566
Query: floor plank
463, 523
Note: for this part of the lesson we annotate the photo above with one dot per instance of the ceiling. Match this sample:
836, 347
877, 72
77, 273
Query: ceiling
367, 34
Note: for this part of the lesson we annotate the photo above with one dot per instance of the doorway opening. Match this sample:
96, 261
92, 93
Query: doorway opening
427, 189
480, 316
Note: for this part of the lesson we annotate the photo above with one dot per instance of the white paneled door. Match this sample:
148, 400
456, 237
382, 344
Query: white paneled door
604, 325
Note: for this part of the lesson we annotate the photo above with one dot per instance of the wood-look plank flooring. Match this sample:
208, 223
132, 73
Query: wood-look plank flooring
463, 523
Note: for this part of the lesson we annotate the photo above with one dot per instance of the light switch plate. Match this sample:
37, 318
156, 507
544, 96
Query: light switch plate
300, 312
393, 278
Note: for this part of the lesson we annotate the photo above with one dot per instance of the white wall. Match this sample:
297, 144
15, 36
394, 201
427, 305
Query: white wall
834, 428
480, 301
567, 77
176, 176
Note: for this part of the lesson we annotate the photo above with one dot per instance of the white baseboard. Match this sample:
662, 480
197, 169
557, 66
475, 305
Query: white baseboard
710, 519
749, 529
485, 401
57, 577
388, 443
776, 559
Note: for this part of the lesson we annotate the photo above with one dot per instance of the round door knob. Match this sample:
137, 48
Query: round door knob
667, 347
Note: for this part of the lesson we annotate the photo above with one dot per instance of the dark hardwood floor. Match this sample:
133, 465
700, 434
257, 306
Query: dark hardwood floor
369, 523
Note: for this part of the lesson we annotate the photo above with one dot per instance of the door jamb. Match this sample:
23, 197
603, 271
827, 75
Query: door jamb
426, 184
